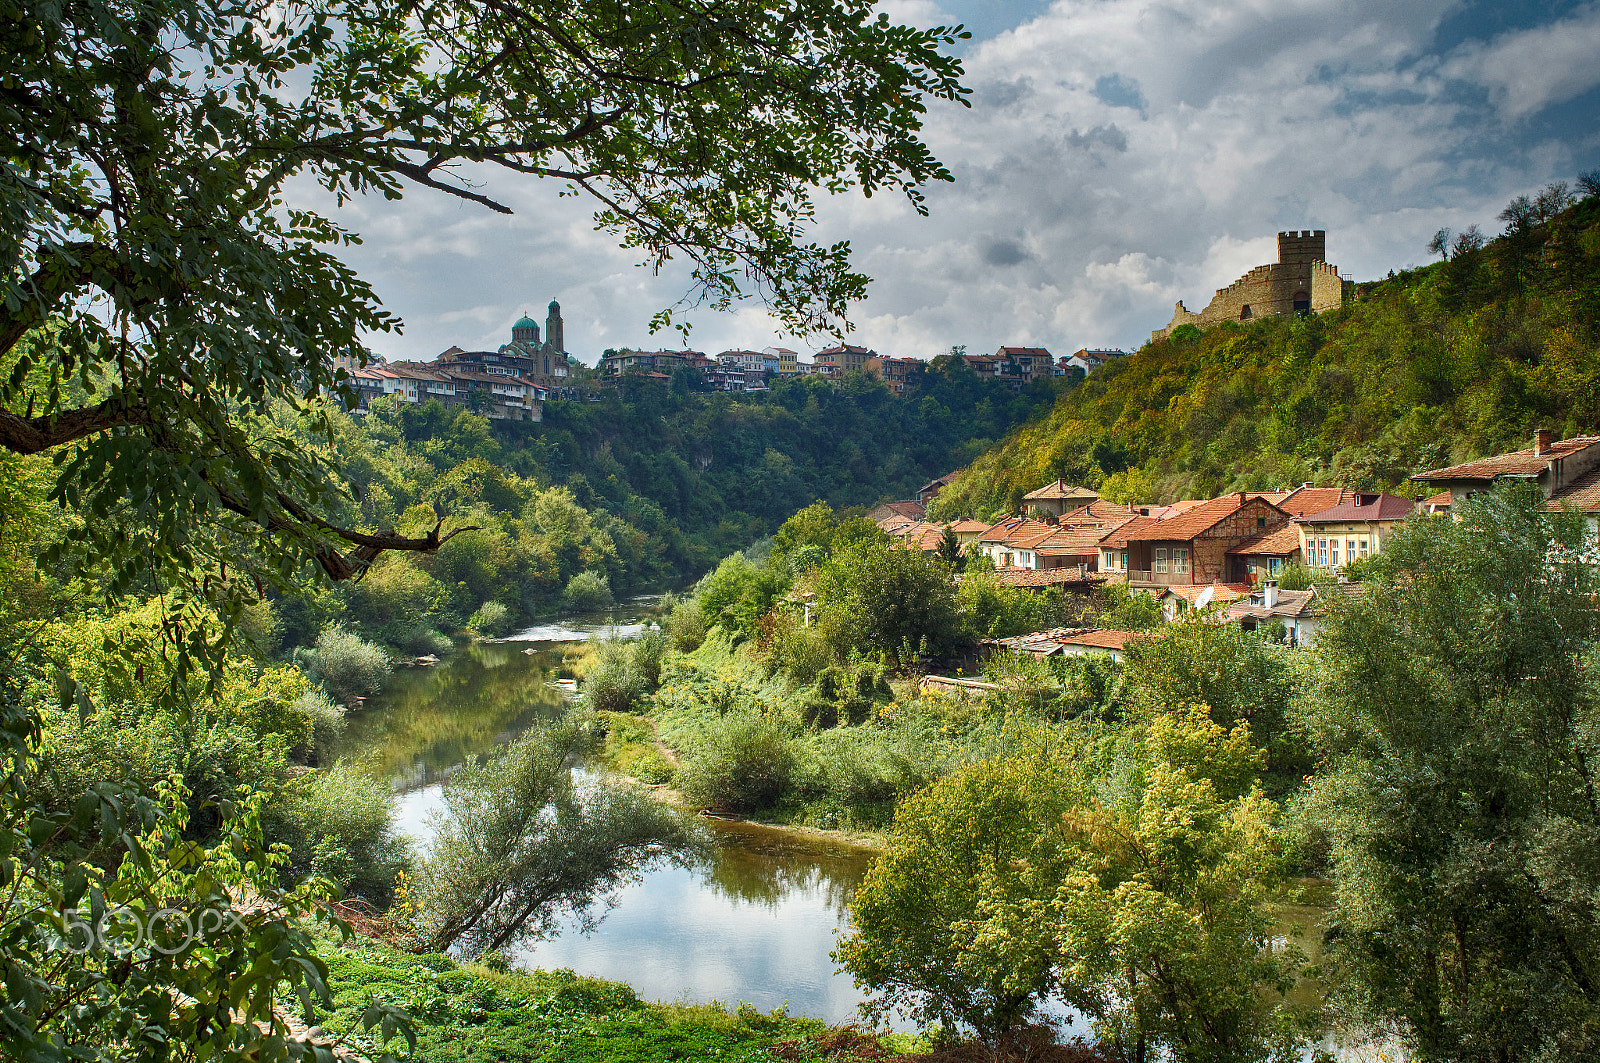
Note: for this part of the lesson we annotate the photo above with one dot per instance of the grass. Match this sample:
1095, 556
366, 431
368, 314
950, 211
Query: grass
469, 1012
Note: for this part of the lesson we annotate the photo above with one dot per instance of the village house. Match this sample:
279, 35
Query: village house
1352, 530
1266, 556
927, 491
1070, 642
1059, 498
845, 357
1565, 471
1177, 600
1189, 547
1267, 607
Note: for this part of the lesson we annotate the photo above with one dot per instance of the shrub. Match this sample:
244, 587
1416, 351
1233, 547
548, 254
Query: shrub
340, 823
327, 721
745, 763
612, 683
587, 592
422, 640
686, 625
348, 665
492, 619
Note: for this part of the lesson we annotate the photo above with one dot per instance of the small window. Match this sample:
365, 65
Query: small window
1161, 559
1180, 560
1244, 314
1261, 524
1364, 551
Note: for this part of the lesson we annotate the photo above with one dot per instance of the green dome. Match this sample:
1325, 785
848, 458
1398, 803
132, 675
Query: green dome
526, 322
554, 305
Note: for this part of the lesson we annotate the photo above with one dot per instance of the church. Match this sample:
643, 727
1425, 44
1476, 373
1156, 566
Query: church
525, 357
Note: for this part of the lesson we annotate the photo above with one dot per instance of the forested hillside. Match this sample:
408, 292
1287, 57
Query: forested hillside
1445, 363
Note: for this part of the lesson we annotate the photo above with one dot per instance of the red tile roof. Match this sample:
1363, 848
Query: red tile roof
1014, 528
1220, 592
1045, 577
1117, 538
1281, 543
911, 509
1099, 511
1582, 494
1193, 521
1361, 506
1061, 489
967, 524
1303, 500
1516, 463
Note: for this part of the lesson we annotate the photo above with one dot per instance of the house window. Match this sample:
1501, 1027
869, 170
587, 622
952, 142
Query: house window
1261, 524
1180, 559
1274, 565
1322, 553
1161, 559
1124, 564
1333, 553
1364, 548
1349, 549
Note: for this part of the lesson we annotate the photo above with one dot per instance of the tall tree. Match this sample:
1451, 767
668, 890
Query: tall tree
1457, 712
162, 299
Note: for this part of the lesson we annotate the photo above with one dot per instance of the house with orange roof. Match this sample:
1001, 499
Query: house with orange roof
967, 530
1070, 642
1060, 497
1555, 466
1264, 557
1177, 600
1189, 547
1002, 542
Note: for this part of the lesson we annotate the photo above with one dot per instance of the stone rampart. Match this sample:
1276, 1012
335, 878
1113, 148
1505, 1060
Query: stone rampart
1299, 280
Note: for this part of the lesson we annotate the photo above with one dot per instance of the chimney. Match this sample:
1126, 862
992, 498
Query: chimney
1542, 438
1269, 594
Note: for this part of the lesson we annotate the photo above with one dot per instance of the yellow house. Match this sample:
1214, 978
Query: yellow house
1353, 529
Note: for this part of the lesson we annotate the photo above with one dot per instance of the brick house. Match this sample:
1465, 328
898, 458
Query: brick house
1190, 547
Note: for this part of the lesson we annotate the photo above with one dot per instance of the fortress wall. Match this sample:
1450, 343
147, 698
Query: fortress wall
1327, 287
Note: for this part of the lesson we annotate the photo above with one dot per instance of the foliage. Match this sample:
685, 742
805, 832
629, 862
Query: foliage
1454, 707
338, 825
745, 762
348, 665
521, 843
587, 592
1438, 365
86, 942
474, 1013
889, 600
953, 922
1163, 933
492, 619
623, 671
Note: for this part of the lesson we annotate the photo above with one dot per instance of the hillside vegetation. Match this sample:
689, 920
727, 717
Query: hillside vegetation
1449, 362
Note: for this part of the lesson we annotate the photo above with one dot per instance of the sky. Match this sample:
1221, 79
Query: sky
1118, 156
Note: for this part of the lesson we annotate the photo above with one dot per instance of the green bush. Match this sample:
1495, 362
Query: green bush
744, 763
340, 823
348, 665
492, 619
327, 721
587, 592
686, 625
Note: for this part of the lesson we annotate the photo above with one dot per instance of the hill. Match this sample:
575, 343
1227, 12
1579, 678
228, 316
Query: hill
1424, 368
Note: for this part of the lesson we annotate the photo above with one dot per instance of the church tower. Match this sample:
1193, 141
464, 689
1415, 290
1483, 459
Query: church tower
554, 334
526, 331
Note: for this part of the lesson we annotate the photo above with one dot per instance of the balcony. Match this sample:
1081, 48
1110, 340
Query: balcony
1163, 579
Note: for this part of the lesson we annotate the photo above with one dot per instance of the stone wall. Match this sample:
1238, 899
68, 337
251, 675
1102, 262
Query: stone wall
1300, 279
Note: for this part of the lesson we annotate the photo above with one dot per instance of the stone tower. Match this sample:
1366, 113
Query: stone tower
526, 331
554, 334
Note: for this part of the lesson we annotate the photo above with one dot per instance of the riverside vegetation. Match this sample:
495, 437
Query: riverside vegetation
1110, 839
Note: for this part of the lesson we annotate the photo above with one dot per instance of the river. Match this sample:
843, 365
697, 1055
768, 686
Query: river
756, 922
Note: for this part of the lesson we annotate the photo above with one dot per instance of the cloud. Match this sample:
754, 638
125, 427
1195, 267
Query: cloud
1526, 71
1118, 155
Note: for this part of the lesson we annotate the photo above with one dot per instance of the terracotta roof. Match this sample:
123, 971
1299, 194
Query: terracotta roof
1045, 577
1435, 503
1271, 496
1582, 494
1102, 638
1362, 506
1293, 604
1014, 528
1281, 543
1100, 511
1220, 592
1303, 500
1034, 352
1516, 463
1067, 541
1061, 489
1190, 522
1117, 538
911, 509
967, 524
